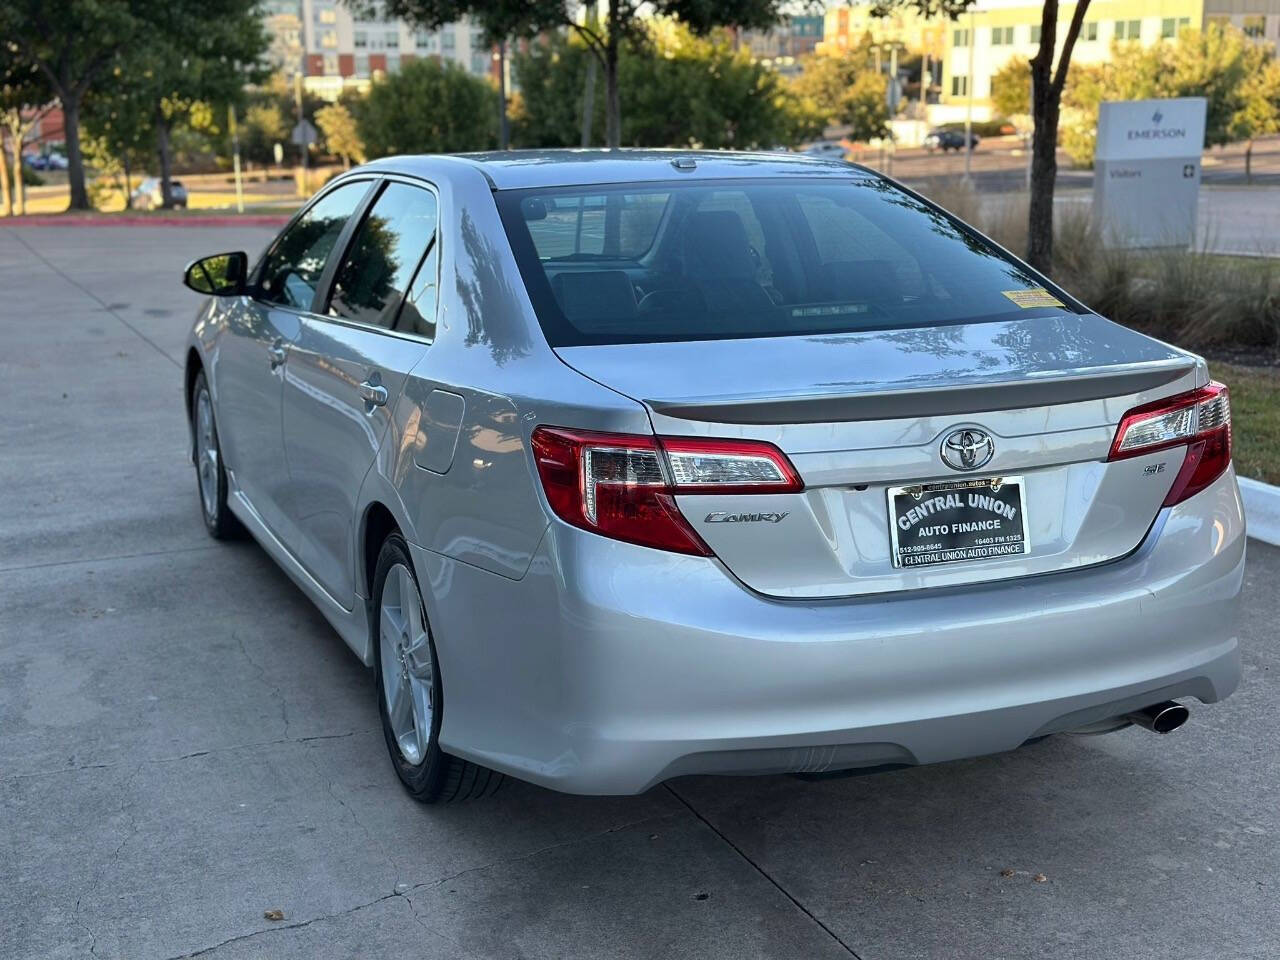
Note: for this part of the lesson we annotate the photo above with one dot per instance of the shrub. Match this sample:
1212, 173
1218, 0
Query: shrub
1194, 298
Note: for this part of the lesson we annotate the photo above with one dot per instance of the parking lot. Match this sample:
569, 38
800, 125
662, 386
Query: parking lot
186, 745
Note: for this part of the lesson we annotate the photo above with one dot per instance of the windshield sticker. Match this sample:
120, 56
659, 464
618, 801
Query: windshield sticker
830, 310
1036, 297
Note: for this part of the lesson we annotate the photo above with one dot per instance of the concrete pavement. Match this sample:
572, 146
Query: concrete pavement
185, 744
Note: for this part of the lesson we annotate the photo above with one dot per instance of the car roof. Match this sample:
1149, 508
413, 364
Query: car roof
520, 169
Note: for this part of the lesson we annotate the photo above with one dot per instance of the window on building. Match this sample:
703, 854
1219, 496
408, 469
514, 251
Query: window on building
360, 40
1035, 33
423, 40
960, 38
1128, 29
330, 64
448, 40
1091, 31
1254, 26
1001, 36
1168, 28
327, 15
392, 39
329, 39
393, 63
480, 62
959, 86
362, 65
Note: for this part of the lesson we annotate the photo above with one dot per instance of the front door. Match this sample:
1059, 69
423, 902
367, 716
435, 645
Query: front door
263, 327
346, 371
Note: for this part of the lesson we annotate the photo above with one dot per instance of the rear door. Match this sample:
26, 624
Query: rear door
347, 369
249, 369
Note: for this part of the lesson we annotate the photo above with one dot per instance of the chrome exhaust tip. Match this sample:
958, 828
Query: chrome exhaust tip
1161, 717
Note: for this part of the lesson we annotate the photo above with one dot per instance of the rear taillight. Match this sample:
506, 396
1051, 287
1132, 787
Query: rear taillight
1200, 420
624, 486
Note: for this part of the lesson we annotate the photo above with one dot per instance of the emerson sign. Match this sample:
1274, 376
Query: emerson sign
1146, 178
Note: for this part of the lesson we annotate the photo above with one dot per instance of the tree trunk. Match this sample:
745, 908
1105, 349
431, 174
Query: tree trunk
589, 101
166, 161
6, 199
613, 107
75, 159
19, 188
1046, 108
128, 183
504, 123
1044, 173
1248, 161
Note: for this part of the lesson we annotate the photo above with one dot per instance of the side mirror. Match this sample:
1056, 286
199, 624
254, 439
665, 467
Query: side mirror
221, 275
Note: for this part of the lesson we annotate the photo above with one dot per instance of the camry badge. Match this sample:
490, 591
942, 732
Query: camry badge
967, 449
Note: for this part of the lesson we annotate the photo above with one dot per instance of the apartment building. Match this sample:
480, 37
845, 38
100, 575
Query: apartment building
334, 51
984, 39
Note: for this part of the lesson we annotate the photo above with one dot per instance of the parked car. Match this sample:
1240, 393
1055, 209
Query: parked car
828, 149
46, 161
621, 466
149, 195
945, 140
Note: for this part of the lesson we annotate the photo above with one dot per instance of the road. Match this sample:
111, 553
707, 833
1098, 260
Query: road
185, 744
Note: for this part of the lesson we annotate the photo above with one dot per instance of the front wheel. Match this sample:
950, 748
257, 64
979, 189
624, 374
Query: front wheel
211, 475
410, 693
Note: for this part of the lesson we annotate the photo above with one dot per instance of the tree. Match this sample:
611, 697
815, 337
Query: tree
427, 107
677, 90
341, 137
1240, 81
72, 42
24, 99
845, 89
1011, 88
198, 57
622, 22
119, 132
265, 124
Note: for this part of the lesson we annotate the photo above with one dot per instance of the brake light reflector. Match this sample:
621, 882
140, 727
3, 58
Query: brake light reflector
623, 486
1200, 419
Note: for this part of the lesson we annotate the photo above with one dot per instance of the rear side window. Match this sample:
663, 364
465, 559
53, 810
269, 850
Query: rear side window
706, 260
384, 257
292, 268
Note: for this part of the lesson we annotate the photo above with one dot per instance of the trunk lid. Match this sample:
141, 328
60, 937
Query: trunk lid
862, 413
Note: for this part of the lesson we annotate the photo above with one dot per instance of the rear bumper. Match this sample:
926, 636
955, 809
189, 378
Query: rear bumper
610, 668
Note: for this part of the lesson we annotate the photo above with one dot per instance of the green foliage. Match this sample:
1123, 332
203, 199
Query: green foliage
338, 127
1238, 78
844, 89
1011, 88
428, 107
677, 90
264, 124
622, 24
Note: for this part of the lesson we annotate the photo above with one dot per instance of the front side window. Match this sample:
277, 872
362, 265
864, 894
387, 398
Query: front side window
384, 256
292, 268
689, 261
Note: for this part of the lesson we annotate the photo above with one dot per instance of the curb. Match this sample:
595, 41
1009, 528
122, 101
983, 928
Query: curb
1261, 510
231, 220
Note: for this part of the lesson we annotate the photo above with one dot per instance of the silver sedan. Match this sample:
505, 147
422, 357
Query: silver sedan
620, 466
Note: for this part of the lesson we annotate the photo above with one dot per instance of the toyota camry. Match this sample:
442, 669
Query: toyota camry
620, 466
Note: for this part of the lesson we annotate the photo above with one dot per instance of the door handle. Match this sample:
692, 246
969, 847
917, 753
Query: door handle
374, 394
275, 355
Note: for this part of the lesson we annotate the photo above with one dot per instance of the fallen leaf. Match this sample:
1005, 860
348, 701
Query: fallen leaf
1006, 872
273, 915
1040, 878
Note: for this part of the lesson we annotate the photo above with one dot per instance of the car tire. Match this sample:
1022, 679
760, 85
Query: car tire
409, 687
211, 473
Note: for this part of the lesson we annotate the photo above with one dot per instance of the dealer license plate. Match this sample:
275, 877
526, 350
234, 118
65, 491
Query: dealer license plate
977, 519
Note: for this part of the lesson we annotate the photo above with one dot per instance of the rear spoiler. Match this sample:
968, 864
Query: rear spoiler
951, 400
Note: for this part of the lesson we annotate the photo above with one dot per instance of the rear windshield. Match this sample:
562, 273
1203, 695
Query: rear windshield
766, 258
